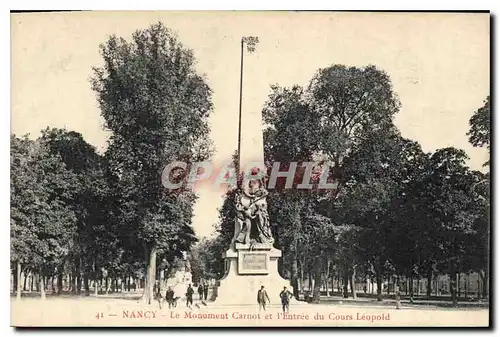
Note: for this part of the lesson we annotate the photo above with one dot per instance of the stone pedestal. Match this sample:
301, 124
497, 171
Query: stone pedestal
247, 269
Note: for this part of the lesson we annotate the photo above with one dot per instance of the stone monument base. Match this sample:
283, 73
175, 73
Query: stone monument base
247, 269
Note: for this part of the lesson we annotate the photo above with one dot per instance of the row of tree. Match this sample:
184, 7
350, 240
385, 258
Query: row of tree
396, 211
78, 213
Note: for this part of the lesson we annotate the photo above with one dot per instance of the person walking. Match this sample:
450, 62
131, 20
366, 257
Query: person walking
285, 296
200, 291
169, 297
262, 297
205, 291
159, 296
189, 297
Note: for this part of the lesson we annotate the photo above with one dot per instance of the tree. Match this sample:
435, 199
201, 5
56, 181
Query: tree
206, 259
480, 127
43, 226
156, 107
479, 136
340, 109
91, 203
443, 197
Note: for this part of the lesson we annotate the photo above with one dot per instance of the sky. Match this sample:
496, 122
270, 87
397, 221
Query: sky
439, 65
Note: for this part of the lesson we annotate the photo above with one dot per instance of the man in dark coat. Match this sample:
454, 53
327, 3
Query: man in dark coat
200, 291
169, 297
158, 295
205, 291
285, 296
189, 296
262, 298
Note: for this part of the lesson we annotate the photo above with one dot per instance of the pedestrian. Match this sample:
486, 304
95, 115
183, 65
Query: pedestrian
159, 296
364, 288
200, 291
205, 291
285, 296
262, 297
189, 296
398, 297
169, 297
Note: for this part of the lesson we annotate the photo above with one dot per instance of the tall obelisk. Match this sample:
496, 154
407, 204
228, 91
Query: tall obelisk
251, 262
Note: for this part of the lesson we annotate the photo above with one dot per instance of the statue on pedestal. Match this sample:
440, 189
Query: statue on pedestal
252, 219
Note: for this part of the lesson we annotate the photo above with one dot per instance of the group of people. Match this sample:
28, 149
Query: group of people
171, 299
203, 291
263, 298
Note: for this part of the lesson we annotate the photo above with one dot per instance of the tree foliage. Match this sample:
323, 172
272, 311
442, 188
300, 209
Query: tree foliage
156, 107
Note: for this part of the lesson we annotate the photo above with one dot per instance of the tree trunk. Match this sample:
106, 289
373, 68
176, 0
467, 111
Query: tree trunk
485, 287
466, 286
37, 282
484, 281
42, 286
294, 271
333, 283
317, 280
458, 285
25, 284
18, 283
13, 273
128, 283
388, 285
345, 290
71, 276
78, 275
429, 283
59, 283
310, 281
295, 281
353, 282
327, 277
378, 276
107, 285
150, 277
411, 289
86, 284
453, 283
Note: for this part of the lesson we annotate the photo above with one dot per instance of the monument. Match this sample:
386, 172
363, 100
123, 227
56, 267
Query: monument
182, 278
251, 260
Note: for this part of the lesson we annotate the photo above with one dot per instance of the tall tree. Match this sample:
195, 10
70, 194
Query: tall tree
340, 109
156, 107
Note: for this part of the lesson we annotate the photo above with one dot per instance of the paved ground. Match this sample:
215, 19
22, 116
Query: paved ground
107, 311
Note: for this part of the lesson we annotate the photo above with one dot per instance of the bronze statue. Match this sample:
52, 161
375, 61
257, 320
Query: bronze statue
252, 219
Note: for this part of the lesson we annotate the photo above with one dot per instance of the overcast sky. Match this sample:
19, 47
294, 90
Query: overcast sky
438, 63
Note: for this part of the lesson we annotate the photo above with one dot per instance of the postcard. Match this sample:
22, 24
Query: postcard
258, 169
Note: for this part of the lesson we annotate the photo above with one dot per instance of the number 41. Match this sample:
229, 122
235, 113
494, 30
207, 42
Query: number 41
99, 315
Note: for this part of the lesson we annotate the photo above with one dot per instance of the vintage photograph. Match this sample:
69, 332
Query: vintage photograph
250, 169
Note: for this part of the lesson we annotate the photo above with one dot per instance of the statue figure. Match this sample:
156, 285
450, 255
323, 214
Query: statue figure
252, 219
